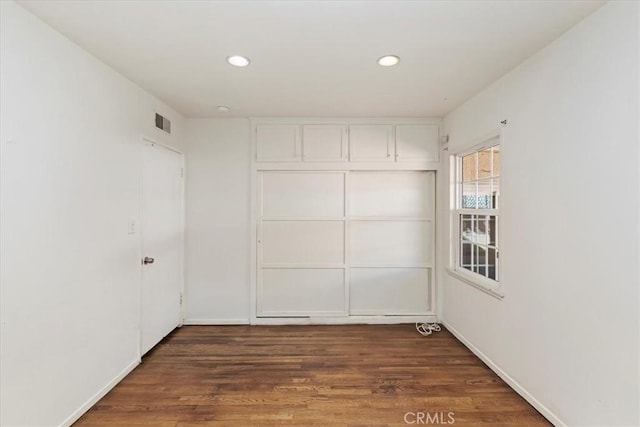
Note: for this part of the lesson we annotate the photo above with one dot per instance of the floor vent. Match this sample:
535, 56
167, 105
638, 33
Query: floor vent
163, 123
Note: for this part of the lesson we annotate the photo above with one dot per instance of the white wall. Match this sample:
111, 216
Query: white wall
567, 330
70, 153
217, 221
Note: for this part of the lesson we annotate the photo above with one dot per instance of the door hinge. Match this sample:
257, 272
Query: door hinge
181, 299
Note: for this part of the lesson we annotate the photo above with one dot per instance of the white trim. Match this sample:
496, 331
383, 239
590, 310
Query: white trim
151, 140
367, 166
517, 387
255, 193
230, 321
303, 313
148, 140
489, 286
480, 143
99, 395
382, 311
476, 283
343, 120
346, 320
346, 257
304, 218
183, 225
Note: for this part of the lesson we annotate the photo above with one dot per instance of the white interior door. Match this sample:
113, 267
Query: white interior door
161, 243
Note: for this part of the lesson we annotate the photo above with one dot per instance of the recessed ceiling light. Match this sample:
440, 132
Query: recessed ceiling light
388, 60
238, 61
223, 108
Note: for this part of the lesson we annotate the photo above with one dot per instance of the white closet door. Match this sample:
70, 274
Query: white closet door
302, 291
394, 194
391, 242
324, 251
302, 195
385, 291
301, 244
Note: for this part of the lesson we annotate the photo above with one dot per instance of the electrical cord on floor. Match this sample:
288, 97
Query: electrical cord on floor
426, 329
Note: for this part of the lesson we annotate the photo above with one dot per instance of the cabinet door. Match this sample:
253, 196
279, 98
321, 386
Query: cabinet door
278, 143
417, 142
371, 143
324, 143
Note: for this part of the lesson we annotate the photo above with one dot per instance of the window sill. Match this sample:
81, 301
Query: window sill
486, 288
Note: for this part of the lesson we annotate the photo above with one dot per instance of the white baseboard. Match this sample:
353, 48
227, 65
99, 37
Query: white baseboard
99, 395
314, 320
350, 320
215, 322
546, 412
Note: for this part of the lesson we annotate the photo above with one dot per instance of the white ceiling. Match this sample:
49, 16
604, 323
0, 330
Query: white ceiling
313, 58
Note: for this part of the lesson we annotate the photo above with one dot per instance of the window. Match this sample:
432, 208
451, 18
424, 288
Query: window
477, 254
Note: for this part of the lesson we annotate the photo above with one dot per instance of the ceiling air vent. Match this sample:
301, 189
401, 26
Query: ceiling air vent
163, 123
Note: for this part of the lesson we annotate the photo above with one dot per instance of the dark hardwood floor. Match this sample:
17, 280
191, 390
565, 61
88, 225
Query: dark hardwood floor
347, 375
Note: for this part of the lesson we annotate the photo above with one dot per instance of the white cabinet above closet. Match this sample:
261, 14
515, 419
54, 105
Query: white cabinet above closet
324, 143
346, 144
417, 142
371, 143
278, 143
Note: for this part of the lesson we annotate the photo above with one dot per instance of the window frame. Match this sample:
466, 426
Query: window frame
481, 282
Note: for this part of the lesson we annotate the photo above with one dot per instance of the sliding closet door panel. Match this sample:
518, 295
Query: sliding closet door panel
302, 195
303, 243
291, 292
391, 194
391, 243
389, 290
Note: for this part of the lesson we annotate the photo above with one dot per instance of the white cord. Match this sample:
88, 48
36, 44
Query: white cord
426, 329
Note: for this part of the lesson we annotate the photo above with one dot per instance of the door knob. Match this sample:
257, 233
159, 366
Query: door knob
147, 260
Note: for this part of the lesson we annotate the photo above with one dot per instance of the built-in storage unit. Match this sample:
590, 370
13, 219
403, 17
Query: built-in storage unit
355, 143
373, 143
279, 143
344, 218
326, 142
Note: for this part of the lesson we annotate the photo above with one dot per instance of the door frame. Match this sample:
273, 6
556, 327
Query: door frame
144, 140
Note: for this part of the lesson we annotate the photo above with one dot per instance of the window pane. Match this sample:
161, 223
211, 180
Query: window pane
465, 256
495, 192
469, 195
484, 163
496, 161
484, 194
481, 258
469, 167
492, 230
466, 228
482, 230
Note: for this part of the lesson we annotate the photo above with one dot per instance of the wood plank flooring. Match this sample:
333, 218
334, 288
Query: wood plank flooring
346, 375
